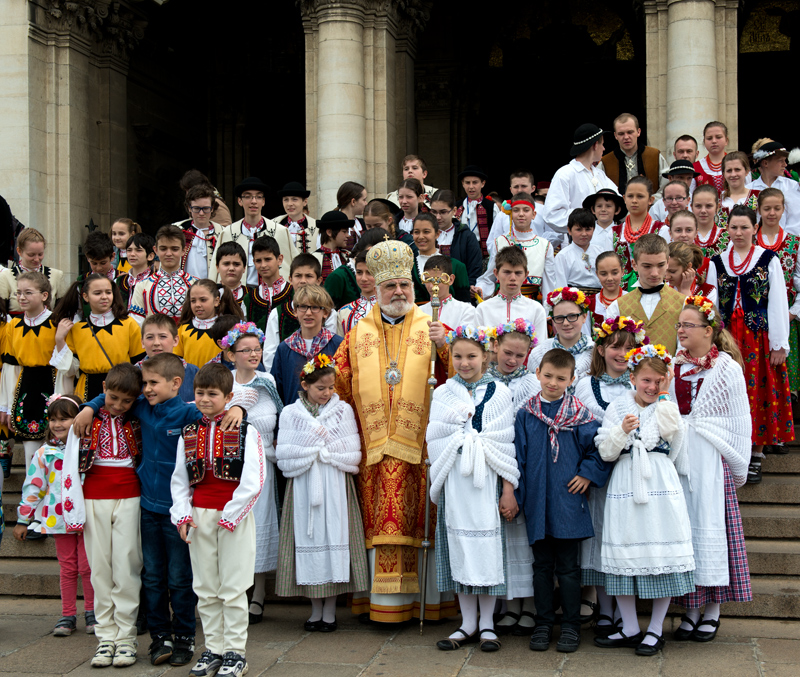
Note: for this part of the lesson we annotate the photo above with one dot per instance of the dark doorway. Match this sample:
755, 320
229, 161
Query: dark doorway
222, 91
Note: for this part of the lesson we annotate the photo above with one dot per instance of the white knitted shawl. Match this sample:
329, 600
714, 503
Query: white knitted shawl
450, 429
305, 441
721, 415
644, 438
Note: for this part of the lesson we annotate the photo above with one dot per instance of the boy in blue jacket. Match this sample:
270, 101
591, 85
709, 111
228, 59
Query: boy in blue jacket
163, 415
558, 461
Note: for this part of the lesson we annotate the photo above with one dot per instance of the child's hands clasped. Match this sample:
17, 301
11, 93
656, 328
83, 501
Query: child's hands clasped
630, 423
508, 502
578, 485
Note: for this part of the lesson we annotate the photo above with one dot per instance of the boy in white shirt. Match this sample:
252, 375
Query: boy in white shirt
574, 264
303, 229
452, 312
608, 208
521, 182
414, 167
477, 211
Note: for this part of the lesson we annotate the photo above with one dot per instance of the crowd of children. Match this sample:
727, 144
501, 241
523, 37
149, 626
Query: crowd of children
617, 367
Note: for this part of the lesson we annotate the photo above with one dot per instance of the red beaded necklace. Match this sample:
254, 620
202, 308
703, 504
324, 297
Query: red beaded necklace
607, 301
712, 237
630, 236
738, 270
772, 247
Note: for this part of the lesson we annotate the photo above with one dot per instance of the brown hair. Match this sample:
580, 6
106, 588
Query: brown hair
674, 182
162, 322
316, 375
198, 192
214, 375
413, 185
650, 244
687, 255
348, 191
411, 157
644, 181
66, 406
227, 304
735, 155
715, 123
170, 232
27, 236
131, 225
763, 195
616, 339
607, 255
124, 378
683, 214
165, 364
559, 359
72, 301
720, 336
624, 117
511, 256
656, 364
706, 188
40, 281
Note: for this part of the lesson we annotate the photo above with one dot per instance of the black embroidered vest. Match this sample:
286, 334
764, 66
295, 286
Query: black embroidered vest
227, 449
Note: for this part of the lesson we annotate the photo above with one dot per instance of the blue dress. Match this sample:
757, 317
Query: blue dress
288, 364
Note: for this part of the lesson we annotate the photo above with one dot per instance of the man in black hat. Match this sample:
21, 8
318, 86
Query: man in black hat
629, 160
680, 170
302, 227
573, 183
770, 161
477, 212
250, 194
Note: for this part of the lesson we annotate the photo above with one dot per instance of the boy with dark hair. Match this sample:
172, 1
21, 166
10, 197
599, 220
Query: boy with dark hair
99, 252
167, 578
272, 290
201, 231
160, 336
165, 291
477, 212
194, 177
140, 251
231, 263
651, 301
608, 208
554, 437
452, 312
575, 265
334, 230
349, 314
105, 506
303, 229
211, 500
511, 271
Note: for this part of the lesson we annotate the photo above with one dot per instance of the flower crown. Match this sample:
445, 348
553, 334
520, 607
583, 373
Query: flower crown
705, 306
520, 325
481, 335
650, 350
321, 361
571, 294
621, 323
242, 329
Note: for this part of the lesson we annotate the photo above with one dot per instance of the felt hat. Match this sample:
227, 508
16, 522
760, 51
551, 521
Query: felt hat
542, 185
251, 183
334, 220
393, 206
294, 189
473, 170
609, 194
681, 167
584, 138
768, 150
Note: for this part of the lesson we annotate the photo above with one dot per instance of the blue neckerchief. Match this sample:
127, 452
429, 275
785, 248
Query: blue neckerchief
580, 347
472, 387
505, 379
625, 379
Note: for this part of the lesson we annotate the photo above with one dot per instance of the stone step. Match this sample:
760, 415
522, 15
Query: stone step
770, 521
779, 488
31, 576
42, 548
782, 463
774, 556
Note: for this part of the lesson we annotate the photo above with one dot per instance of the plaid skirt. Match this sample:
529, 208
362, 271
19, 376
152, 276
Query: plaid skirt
444, 576
592, 577
286, 581
651, 587
738, 588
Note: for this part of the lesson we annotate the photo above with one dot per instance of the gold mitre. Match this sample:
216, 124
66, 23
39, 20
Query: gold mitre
390, 260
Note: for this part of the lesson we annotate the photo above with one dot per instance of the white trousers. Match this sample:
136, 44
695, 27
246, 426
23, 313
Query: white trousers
222, 568
114, 551
31, 447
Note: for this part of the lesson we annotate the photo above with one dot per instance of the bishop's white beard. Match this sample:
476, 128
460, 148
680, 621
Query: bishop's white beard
397, 307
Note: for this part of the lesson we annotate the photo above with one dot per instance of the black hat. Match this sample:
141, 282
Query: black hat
768, 150
584, 138
681, 167
294, 189
473, 170
609, 194
251, 183
393, 206
334, 220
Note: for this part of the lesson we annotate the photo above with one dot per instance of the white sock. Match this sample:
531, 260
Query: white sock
469, 615
513, 606
329, 609
710, 613
656, 626
316, 610
527, 605
606, 603
626, 604
486, 603
259, 592
693, 615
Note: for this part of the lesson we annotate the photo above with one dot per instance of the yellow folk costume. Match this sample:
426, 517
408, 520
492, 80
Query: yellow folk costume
194, 344
121, 339
382, 372
8, 286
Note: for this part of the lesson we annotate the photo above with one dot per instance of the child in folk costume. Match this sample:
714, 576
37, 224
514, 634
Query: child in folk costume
568, 310
42, 487
123, 230
715, 139
514, 341
107, 337
753, 304
609, 272
736, 173
351, 199
711, 394
685, 260
607, 207
101, 494
213, 494
473, 468
410, 199
575, 263
342, 284
452, 312
477, 212
231, 265
647, 537
334, 229
770, 162
638, 198
256, 393
349, 315
204, 303
455, 239
711, 237
425, 232
140, 252
683, 228
608, 379
676, 198
302, 227
322, 536
541, 275
272, 290
771, 236
554, 438
511, 270
10, 372
201, 230
30, 250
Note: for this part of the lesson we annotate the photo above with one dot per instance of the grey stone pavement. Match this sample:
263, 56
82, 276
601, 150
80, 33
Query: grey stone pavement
279, 647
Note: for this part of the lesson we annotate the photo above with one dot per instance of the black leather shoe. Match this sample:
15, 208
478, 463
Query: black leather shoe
698, 636
312, 626
252, 618
489, 644
328, 627
607, 628
569, 641
648, 649
540, 639
453, 644
681, 635
624, 641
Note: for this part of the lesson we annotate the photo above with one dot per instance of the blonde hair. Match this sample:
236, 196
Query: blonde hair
27, 236
656, 364
720, 337
687, 255
313, 295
